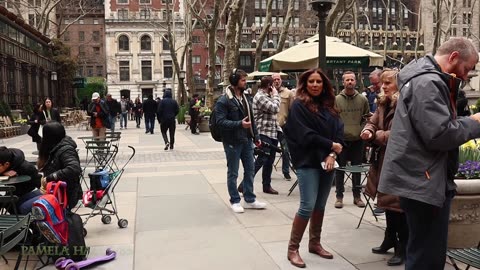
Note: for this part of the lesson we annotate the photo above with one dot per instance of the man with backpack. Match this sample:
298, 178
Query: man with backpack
234, 117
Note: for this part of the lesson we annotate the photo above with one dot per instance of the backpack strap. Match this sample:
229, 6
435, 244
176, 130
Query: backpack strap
61, 196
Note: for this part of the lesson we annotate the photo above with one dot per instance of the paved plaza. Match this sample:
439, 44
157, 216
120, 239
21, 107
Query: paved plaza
179, 215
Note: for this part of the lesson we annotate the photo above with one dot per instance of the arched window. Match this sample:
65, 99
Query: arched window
146, 43
166, 45
123, 43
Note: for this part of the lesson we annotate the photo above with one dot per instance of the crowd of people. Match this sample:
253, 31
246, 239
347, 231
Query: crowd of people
411, 120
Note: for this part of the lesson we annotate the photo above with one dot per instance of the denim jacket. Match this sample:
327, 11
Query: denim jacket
229, 115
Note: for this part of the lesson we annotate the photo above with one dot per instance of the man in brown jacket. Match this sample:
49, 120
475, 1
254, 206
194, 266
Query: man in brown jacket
286, 100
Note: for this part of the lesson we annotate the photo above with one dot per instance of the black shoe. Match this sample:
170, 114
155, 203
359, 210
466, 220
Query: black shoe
166, 146
395, 260
385, 246
147, 132
171, 147
287, 176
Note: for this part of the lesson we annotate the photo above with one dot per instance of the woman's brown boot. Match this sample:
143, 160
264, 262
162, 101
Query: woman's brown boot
314, 246
298, 228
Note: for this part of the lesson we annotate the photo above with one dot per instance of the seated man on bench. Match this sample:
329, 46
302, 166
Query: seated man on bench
13, 163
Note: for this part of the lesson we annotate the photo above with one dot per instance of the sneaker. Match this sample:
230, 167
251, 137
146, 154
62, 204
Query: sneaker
339, 203
378, 211
287, 176
166, 146
237, 208
358, 202
255, 205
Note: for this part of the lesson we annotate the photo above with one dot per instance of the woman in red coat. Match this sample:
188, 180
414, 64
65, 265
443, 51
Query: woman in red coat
377, 132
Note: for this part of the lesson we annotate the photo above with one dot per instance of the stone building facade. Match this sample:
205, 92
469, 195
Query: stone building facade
138, 58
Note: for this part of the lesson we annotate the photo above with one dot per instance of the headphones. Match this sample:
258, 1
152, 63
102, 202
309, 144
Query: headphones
234, 77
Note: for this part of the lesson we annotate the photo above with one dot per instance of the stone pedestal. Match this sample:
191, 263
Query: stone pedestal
464, 221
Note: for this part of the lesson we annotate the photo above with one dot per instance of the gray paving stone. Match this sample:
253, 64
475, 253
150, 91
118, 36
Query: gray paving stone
174, 185
181, 211
200, 248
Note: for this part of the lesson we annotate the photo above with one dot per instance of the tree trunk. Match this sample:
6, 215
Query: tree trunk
263, 35
333, 16
230, 40
286, 26
438, 33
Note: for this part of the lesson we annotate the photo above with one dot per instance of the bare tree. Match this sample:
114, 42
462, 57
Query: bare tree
286, 26
235, 11
261, 39
209, 22
44, 14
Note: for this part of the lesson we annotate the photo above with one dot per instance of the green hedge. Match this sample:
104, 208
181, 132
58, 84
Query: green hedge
181, 114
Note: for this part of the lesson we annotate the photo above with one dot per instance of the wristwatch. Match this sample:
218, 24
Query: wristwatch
333, 155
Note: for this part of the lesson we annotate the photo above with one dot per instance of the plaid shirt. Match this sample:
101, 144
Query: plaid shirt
265, 110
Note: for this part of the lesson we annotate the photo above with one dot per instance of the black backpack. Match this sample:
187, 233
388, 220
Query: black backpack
215, 130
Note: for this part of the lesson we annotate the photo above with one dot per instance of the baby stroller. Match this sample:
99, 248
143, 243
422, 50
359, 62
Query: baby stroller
101, 195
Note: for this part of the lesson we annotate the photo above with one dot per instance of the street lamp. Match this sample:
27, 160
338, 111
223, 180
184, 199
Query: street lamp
322, 7
181, 77
52, 92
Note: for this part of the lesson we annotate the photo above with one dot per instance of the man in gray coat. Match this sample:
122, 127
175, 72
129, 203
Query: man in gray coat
421, 159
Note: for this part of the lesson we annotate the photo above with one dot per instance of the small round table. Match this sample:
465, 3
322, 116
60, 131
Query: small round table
16, 180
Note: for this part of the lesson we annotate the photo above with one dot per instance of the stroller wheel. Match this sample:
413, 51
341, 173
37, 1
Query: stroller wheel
84, 232
106, 219
122, 223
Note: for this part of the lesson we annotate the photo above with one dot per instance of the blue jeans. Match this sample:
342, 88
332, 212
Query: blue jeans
112, 120
26, 201
285, 154
428, 231
234, 154
123, 119
266, 161
315, 185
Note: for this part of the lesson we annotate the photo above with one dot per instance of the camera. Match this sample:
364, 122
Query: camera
264, 149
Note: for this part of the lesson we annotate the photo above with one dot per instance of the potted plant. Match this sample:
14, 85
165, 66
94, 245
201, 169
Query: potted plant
205, 113
464, 221
23, 123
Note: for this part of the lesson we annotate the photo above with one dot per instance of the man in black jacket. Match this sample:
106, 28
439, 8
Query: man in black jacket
114, 110
13, 163
167, 110
149, 109
235, 119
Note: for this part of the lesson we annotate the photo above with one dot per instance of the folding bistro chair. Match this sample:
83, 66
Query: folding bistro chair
349, 171
468, 256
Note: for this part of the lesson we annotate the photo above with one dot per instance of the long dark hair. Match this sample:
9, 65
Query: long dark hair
44, 107
326, 98
53, 133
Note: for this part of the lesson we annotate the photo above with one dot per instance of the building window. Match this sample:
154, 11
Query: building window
99, 71
296, 5
81, 36
96, 50
95, 21
245, 60
146, 43
124, 70
165, 1
465, 32
89, 71
166, 44
196, 59
96, 36
81, 22
144, 1
454, 32
454, 19
196, 39
146, 70
122, 1
145, 13
164, 15
66, 36
81, 51
257, 4
167, 69
296, 22
123, 43
122, 14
